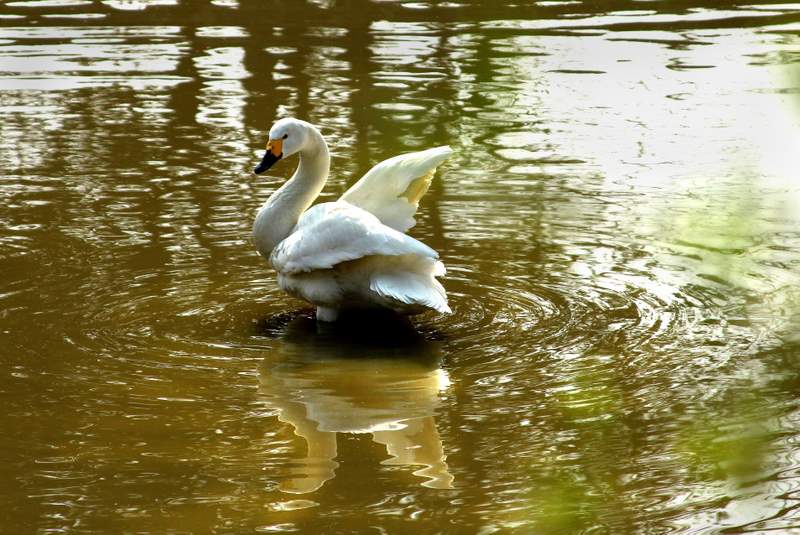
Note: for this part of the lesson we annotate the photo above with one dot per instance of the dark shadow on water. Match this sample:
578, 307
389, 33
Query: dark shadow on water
376, 330
274, 326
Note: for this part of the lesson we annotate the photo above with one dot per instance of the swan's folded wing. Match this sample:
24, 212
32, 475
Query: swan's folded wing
392, 189
331, 233
412, 286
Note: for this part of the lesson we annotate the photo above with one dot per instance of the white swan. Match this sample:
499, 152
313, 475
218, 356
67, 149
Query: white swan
352, 253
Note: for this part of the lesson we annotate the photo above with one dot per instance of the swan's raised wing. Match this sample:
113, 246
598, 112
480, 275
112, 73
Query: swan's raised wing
331, 233
392, 189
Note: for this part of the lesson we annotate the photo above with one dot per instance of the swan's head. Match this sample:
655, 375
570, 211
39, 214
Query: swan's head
286, 137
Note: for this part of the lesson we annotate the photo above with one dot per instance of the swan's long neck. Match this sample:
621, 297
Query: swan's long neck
279, 215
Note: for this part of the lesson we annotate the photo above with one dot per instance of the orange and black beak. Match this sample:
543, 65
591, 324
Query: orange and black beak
273, 154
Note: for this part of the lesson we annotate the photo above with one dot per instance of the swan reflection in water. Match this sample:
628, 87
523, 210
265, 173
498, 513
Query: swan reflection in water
383, 379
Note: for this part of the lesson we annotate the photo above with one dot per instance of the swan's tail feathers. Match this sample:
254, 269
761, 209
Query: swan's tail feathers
392, 189
411, 289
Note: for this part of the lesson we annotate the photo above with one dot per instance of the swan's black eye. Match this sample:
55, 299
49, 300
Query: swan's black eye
285, 136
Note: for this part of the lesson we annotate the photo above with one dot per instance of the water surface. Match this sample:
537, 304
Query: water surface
619, 222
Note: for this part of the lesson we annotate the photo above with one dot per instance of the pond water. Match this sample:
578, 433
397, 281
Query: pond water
621, 227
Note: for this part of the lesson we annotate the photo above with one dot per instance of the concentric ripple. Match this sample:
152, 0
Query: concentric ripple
565, 315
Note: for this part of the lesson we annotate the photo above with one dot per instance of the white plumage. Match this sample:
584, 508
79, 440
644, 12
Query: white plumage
351, 253
331, 233
392, 189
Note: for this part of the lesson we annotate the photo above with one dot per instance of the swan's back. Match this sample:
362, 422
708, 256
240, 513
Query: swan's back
331, 233
340, 255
